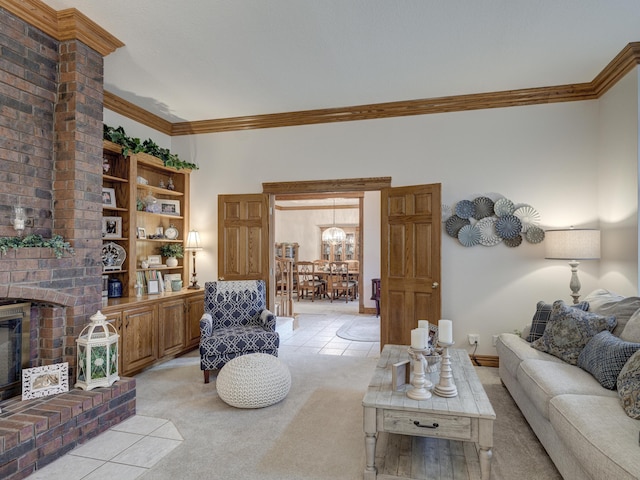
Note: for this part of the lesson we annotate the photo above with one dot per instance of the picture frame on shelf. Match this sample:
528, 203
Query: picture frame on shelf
109, 197
141, 233
153, 287
154, 260
111, 227
173, 276
169, 207
44, 381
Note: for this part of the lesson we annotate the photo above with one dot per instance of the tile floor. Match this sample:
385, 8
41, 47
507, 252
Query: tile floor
128, 450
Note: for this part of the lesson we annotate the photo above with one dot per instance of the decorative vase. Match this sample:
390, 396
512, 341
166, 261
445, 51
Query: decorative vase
172, 262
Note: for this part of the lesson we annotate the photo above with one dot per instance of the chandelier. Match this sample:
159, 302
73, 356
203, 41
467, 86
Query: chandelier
334, 234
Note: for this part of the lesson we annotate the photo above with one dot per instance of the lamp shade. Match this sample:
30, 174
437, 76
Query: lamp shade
572, 244
193, 241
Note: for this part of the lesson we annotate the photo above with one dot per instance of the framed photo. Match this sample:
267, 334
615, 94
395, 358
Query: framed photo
153, 287
45, 381
400, 374
111, 227
141, 233
109, 197
169, 207
154, 260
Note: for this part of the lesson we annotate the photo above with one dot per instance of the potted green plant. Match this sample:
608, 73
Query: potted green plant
172, 251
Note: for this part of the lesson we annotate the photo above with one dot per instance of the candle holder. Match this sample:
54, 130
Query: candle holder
419, 381
446, 387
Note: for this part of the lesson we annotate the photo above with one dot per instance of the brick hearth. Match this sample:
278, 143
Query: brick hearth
33, 433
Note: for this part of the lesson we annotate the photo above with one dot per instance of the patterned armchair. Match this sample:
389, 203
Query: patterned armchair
235, 322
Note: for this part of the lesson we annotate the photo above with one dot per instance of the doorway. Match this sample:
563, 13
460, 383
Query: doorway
300, 224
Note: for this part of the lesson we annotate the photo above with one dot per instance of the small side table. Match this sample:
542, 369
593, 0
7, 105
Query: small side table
375, 294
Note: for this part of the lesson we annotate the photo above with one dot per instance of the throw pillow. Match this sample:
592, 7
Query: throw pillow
629, 386
541, 317
631, 332
569, 330
604, 302
604, 356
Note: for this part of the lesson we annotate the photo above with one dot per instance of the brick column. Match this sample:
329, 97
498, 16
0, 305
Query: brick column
78, 182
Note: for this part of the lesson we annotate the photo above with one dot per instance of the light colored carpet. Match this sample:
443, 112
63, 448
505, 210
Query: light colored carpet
361, 329
314, 433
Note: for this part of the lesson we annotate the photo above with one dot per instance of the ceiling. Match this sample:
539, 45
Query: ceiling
210, 59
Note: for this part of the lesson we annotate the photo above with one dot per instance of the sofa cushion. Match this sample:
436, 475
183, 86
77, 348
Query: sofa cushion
631, 332
544, 380
541, 317
605, 302
569, 330
604, 356
598, 433
629, 386
513, 349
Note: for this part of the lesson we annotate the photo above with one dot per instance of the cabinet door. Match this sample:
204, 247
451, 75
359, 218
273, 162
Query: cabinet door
139, 338
195, 309
171, 320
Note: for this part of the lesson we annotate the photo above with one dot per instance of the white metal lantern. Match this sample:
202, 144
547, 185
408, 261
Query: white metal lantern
97, 354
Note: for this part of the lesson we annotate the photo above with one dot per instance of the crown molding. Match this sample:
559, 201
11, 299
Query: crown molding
140, 115
63, 25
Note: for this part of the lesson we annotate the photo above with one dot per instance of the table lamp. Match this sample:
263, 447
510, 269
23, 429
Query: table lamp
573, 245
193, 245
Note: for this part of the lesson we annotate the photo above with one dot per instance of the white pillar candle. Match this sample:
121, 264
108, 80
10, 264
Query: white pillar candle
445, 331
423, 324
417, 338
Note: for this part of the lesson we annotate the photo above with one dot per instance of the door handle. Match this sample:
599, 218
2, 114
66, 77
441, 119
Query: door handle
435, 285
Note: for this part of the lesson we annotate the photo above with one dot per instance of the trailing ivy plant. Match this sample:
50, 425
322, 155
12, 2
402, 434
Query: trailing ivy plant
134, 145
56, 243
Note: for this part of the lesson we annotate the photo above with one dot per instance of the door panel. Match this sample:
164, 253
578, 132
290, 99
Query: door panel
243, 233
410, 265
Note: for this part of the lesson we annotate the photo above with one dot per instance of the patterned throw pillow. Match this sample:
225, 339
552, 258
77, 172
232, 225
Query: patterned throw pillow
569, 330
604, 356
541, 317
629, 386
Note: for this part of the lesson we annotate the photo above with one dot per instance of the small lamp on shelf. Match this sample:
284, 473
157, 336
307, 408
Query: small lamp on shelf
193, 245
573, 245
97, 354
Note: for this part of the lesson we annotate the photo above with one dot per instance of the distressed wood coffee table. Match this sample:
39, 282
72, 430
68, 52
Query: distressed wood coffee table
390, 416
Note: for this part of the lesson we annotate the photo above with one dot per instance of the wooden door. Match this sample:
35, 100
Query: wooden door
244, 237
410, 263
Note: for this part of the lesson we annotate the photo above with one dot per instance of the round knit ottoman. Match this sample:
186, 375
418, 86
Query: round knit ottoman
255, 380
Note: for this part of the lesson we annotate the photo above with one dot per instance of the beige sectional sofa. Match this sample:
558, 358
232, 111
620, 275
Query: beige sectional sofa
581, 424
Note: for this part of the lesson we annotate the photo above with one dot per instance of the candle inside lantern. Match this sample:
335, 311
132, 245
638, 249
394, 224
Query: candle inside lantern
417, 339
445, 331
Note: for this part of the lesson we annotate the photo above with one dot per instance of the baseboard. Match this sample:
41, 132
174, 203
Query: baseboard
485, 360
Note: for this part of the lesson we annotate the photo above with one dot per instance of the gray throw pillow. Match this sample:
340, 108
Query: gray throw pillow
604, 356
629, 386
541, 317
569, 330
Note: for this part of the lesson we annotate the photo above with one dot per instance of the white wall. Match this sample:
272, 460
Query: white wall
618, 185
544, 155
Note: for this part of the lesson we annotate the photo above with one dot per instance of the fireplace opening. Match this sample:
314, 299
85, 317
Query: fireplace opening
15, 326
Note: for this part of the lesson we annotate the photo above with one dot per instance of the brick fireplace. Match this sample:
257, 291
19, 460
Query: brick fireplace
51, 101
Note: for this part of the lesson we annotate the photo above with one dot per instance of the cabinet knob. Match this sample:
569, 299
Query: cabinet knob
435, 285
